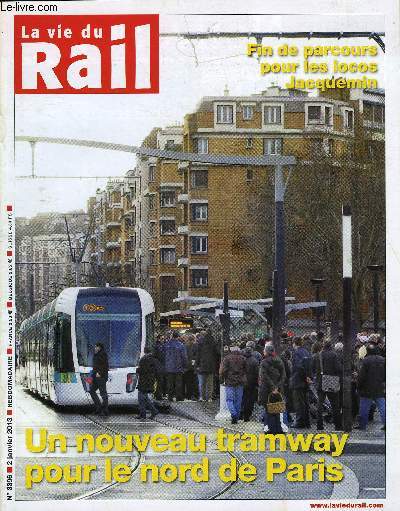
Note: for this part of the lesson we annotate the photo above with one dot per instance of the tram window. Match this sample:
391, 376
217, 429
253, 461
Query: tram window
116, 324
50, 346
64, 360
150, 330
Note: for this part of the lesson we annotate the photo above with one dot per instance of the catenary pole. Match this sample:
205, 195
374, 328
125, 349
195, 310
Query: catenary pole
347, 341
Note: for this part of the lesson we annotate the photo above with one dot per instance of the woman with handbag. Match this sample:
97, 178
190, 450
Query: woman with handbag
270, 391
328, 370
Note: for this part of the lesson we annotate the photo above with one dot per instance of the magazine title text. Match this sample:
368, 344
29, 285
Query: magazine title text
94, 54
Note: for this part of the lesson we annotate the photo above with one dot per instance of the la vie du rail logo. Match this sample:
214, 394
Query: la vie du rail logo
92, 54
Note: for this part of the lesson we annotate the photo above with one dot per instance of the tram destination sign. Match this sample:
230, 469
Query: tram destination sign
180, 323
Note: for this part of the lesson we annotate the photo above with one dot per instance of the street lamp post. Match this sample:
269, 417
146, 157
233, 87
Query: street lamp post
223, 413
317, 283
278, 308
347, 303
375, 269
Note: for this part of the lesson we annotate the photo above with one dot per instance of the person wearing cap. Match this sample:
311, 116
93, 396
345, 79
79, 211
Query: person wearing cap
232, 374
251, 346
100, 377
271, 380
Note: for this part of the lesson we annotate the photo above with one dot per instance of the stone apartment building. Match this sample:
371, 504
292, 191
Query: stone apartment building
188, 227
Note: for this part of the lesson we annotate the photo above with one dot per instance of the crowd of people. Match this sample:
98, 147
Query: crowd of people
296, 388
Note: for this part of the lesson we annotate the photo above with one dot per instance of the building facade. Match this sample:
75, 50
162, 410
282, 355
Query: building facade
43, 258
183, 228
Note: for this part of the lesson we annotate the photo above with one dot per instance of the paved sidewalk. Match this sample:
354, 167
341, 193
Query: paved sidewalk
371, 441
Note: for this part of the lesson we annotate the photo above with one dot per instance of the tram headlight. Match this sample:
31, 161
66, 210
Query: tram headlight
87, 381
131, 382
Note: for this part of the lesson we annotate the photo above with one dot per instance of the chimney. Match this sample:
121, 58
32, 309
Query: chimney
226, 90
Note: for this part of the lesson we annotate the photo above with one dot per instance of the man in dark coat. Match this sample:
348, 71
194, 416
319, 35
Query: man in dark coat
175, 366
251, 386
371, 385
299, 382
206, 357
159, 353
330, 366
100, 377
190, 377
232, 374
148, 369
286, 357
271, 380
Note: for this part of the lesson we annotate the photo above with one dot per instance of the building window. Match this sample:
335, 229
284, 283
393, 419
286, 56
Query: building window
249, 175
199, 178
370, 151
349, 119
152, 258
169, 144
167, 256
167, 226
224, 114
153, 232
152, 172
202, 145
199, 212
247, 112
272, 115
151, 202
199, 244
379, 114
199, 278
167, 199
373, 113
272, 146
249, 143
314, 114
129, 246
319, 115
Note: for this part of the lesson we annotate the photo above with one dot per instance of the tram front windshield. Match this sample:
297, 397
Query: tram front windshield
115, 321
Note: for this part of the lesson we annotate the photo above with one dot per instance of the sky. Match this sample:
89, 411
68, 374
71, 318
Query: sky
187, 73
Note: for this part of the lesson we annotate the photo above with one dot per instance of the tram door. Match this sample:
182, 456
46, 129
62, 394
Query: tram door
43, 357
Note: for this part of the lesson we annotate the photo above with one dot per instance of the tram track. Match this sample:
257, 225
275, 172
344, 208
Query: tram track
211, 427
135, 461
179, 423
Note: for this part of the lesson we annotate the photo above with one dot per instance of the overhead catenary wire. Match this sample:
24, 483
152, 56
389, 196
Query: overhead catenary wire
259, 36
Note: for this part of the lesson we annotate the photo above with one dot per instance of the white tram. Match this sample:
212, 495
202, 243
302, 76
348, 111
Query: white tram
56, 344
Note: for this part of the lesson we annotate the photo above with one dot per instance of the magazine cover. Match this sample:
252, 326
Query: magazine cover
199, 263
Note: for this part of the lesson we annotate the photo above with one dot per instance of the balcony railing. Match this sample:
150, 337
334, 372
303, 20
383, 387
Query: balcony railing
183, 229
113, 244
113, 223
183, 261
183, 198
